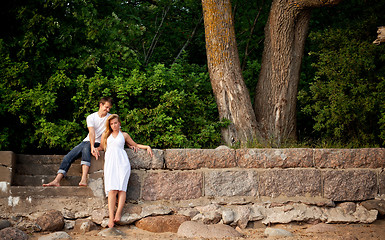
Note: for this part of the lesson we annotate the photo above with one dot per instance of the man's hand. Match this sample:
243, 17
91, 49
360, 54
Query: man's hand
95, 153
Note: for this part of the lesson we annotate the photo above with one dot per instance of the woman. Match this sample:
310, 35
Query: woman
117, 167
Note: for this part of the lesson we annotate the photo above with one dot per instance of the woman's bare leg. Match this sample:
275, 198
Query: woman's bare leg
111, 207
121, 202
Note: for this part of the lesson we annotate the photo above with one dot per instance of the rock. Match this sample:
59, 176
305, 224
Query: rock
274, 158
81, 214
111, 232
361, 215
159, 224
104, 223
186, 159
154, 210
378, 205
97, 187
348, 207
349, 237
84, 225
209, 214
290, 182
69, 224
172, 185
227, 216
68, 214
293, 213
28, 226
12, 233
126, 219
141, 160
320, 228
192, 229
277, 232
56, 236
52, 220
350, 185
4, 224
231, 183
222, 147
98, 215
241, 216
189, 212
257, 213
208, 217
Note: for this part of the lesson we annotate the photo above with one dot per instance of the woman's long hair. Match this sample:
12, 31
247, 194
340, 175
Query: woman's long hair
108, 130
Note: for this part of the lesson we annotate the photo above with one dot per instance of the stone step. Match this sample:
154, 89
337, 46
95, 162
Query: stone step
46, 169
39, 180
40, 159
39, 191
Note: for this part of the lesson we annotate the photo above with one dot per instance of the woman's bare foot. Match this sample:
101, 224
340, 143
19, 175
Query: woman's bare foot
52, 184
111, 223
117, 218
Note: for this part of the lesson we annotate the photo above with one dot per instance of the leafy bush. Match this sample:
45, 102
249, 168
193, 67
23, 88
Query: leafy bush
163, 107
346, 97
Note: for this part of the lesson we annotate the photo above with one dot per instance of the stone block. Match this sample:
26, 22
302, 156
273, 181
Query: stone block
4, 189
290, 183
97, 165
5, 174
349, 185
274, 158
134, 185
381, 183
142, 160
186, 159
172, 185
350, 158
7, 158
39, 159
231, 183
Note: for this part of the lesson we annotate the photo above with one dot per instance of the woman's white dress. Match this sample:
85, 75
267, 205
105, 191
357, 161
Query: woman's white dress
117, 168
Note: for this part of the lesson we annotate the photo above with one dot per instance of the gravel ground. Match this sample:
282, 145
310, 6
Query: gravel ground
375, 230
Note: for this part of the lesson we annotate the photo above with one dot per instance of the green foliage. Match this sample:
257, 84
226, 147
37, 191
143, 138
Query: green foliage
163, 107
346, 97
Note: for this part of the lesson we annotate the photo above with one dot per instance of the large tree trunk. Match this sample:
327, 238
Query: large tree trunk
231, 93
276, 91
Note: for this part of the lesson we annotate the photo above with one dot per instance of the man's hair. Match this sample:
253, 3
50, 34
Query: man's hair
103, 100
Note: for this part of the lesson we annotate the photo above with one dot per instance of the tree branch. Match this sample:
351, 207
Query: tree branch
189, 39
156, 36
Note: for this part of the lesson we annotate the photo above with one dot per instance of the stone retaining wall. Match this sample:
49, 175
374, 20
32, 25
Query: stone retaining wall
183, 174
235, 187
333, 174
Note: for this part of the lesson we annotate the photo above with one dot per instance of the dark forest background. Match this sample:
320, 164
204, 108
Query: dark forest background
58, 57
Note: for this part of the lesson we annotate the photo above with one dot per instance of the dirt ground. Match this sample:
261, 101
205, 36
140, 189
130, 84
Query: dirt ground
374, 230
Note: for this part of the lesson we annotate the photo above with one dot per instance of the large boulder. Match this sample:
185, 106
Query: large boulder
192, 229
56, 236
158, 224
52, 220
12, 233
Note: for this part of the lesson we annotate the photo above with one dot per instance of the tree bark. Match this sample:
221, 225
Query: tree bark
230, 91
276, 90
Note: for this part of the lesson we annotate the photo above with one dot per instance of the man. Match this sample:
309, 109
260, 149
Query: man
96, 126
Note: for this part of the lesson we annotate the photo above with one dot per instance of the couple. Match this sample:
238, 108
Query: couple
104, 134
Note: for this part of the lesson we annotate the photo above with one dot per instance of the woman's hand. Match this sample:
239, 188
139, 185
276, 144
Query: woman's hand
150, 151
134, 148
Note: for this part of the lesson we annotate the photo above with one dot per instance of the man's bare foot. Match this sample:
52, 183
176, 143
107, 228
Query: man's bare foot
83, 183
52, 184
111, 223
